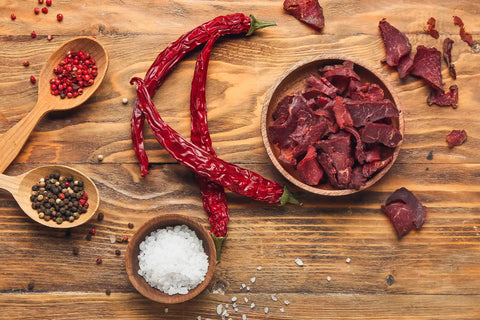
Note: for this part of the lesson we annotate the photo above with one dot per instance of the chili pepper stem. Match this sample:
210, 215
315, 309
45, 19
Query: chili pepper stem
218, 245
287, 197
257, 24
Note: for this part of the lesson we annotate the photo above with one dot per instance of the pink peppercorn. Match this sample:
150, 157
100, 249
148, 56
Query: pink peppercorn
99, 260
40, 1
59, 17
49, 37
45, 10
48, 2
33, 34
13, 16
26, 63
33, 79
36, 10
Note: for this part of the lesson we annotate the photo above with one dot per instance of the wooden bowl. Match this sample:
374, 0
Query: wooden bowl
293, 81
133, 251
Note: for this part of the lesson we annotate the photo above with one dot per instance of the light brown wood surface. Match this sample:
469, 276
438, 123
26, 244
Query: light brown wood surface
435, 271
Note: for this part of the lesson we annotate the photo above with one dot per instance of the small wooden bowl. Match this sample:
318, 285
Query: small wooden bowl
133, 251
293, 81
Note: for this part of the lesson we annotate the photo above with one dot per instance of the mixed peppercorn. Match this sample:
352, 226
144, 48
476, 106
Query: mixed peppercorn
59, 198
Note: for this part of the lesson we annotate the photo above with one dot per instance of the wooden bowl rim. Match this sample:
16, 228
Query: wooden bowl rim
158, 222
265, 110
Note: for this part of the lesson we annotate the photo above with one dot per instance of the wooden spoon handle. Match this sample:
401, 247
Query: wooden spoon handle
12, 141
11, 184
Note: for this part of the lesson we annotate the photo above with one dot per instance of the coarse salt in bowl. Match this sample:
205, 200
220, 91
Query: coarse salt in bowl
171, 259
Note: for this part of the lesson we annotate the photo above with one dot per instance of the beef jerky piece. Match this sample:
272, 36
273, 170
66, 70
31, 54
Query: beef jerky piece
369, 92
279, 132
343, 164
307, 11
379, 132
311, 96
327, 164
359, 147
362, 112
444, 99
401, 216
358, 180
282, 109
431, 28
339, 142
369, 169
404, 67
340, 75
287, 156
373, 154
310, 128
354, 86
426, 65
323, 85
309, 169
396, 43
456, 138
465, 36
405, 196
342, 116
447, 56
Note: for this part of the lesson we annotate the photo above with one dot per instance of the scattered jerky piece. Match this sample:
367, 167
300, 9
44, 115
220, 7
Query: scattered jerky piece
444, 99
396, 43
447, 56
309, 169
403, 195
465, 36
379, 132
401, 217
456, 138
426, 65
431, 28
404, 67
307, 11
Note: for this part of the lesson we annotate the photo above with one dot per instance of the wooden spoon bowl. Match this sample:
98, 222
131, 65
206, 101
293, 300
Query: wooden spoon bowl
133, 250
293, 81
13, 140
21, 187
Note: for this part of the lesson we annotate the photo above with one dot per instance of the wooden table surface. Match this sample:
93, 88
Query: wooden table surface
430, 274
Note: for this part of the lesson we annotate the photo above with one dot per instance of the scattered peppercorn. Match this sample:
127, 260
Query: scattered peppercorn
36, 10
49, 37
92, 231
59, 17
118, 252
13, 16
88, 237
121, 239
100, 216
99, 261
390, 279
33, 34
108, 292
26, 63
130, 225
40, 1
100, 157
76, 251
45, 10
430, 155
31, 286
48, 2
33, 79
124, 100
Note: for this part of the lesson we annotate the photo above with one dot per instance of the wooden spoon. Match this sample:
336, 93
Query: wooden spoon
13, 140
21, 187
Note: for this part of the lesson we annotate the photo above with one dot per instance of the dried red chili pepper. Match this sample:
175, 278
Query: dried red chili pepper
223, 25
213, 194
232, 177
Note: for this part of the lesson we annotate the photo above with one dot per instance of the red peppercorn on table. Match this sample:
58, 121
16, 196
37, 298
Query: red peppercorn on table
350, 263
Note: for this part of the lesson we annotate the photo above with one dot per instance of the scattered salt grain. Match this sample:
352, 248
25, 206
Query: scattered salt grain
248, 288
166, 310
234, 299
329, 278
259, 268
173, 260
282, 310
243, 286
252, 280
244, 317
245, 299
265, 310
299, 262
199, 318
112, 239
234, 304
226, 306
287, 302
252, 305
236, 309
348, 260
219, 309
274, 298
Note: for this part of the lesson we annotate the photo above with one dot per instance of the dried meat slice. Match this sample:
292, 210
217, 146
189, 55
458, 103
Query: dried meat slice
379, 132
340, 75
342, 116
401, 216
426, 65
358, 180
431, 28
369, 169
282, 109
323, 85
369, 92
343, 164
279, 132
447, 56
396, 43
456, 138
443, 99
359, 147
309, 169
327, 164
362, 112
307, 11
464, 35
404, 195
405, 65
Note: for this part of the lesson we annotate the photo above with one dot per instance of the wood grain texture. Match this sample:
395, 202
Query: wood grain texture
434, 273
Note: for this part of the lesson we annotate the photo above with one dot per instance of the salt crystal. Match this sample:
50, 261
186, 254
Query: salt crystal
265, 310
219, 309
166, 310
259, 268
299, 262
236, 309
248, 288
244, 317
282, 310
234, 304
274, 298
329, 279
243, 286
287, 302
173, 260
234, 299
112, 239
252, 305
252, 280
348, 260
245, 299
226, 306
199, 318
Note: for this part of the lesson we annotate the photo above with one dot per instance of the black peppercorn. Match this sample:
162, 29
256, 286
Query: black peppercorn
100, 216
117, 252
